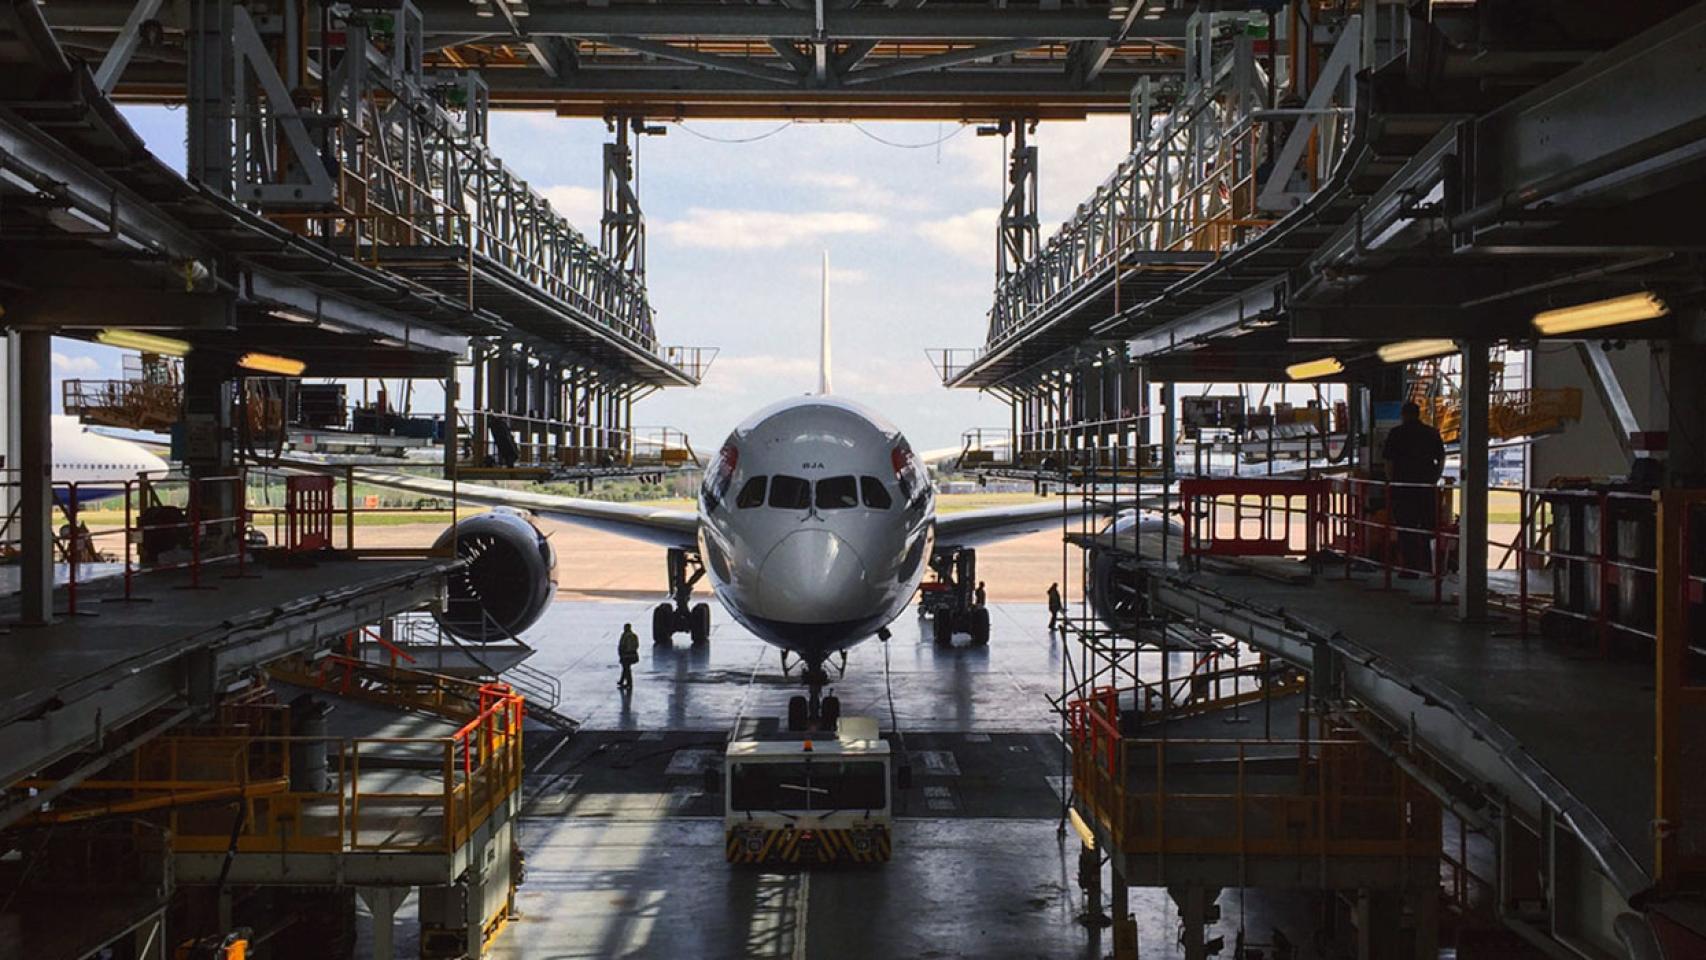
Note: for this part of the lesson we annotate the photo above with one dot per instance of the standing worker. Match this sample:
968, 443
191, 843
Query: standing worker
1055, 607
980, 597
1415, 458
628, 651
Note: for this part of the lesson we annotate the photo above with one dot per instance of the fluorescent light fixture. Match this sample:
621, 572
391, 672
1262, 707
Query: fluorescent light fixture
267, 363
1407, 350
1600, 313
1312, 369
146, 342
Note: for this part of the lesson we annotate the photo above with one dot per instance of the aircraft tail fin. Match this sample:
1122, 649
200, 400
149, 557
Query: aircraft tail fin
823, 385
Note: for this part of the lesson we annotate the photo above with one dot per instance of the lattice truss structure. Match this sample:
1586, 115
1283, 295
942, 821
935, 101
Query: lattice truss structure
335, 128
1220, 162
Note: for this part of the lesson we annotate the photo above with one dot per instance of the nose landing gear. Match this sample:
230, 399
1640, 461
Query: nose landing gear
814, 711
681, 615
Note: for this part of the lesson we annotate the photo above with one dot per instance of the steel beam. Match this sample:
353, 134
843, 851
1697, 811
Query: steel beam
712, 61
119, 54
1472, 475
1575, 137
1606, 386
35, 476
279, 292
114, 216
67, 308
939, 61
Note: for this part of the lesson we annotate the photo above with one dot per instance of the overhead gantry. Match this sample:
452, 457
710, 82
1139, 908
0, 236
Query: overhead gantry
797, 60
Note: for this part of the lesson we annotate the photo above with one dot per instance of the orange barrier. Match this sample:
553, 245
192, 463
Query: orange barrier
1251, 517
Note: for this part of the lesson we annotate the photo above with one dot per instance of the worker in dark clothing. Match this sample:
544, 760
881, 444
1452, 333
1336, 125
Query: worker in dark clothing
1055, 607
628, 652
1415, 457
979, 597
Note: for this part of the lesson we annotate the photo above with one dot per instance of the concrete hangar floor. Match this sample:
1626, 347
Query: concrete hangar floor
625, 849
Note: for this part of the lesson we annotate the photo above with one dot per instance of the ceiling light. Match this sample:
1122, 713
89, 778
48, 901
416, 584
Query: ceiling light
267, 363
146, 342
1406, 350
1312, 369
1600, 313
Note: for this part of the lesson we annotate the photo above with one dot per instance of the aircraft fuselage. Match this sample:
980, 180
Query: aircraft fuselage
816, 523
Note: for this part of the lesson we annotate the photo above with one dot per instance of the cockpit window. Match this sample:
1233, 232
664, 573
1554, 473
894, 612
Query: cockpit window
837, 493
751, 493
790, 493
876, 495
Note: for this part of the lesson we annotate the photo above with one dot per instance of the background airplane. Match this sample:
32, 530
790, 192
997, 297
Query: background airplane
99, 465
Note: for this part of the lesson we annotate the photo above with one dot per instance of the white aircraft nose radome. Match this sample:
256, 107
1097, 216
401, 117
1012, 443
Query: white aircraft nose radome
814, 576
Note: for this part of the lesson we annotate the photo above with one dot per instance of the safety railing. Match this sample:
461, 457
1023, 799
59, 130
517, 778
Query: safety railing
1099, 442
986, 447
205, 528
1260, 797
1251, 517
152, 522
418, 794
663, 446
131, 404
543, 442
1594, 547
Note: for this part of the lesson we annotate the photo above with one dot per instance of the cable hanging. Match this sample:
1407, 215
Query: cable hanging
682, 124
910, 146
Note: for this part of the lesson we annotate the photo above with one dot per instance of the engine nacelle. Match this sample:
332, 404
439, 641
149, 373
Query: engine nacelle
1117, 596
509, 578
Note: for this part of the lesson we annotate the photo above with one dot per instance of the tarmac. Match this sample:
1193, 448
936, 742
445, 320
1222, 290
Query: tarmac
624, 847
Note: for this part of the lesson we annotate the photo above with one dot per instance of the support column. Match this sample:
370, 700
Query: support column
35, 442
451, 389
10, 459
1685, 432
1197, 909
382, 902
1019, 231
209, 95
1472, 458
1125, 926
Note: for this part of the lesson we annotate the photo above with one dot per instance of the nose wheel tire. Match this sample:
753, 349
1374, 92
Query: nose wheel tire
830, 712
700, 628
663, 623
798, 713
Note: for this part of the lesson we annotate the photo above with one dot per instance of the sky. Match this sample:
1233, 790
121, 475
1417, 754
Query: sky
735, 231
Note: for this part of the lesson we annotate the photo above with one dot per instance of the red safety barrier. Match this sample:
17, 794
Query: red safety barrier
1094, 723
308, 513
1252, 517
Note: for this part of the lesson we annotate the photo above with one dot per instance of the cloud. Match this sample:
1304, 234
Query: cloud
583, 207
853, 189
762, 229
67, 364
970, 235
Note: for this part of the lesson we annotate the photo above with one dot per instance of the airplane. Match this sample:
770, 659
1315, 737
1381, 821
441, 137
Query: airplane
98, 464
815, 525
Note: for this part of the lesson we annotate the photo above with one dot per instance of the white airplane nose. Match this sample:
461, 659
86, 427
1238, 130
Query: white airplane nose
813, 576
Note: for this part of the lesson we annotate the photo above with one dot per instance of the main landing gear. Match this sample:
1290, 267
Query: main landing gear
681, 615
815, 711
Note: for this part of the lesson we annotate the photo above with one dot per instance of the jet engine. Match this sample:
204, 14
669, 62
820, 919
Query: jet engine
1116, 591
509, 577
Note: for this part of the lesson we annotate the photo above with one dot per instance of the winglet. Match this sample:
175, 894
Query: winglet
823, 344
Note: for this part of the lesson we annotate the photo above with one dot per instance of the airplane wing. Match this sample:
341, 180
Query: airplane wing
973, 528
666, 528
